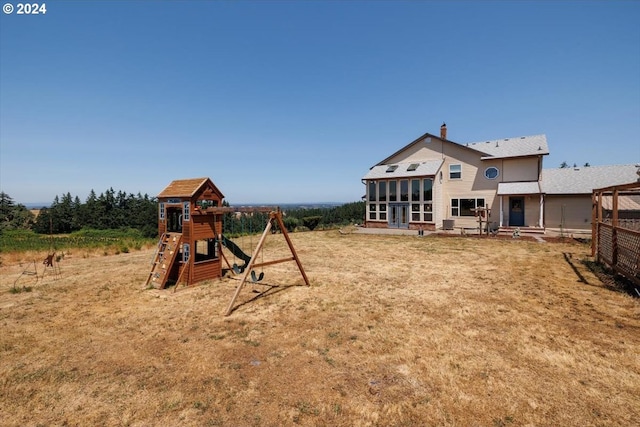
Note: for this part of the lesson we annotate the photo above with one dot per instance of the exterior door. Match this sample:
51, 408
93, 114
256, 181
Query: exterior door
399, 215
516, 211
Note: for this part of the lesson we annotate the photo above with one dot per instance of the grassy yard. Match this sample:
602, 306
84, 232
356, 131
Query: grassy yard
395, 330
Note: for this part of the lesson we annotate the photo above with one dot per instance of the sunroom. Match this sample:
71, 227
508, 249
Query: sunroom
401, 195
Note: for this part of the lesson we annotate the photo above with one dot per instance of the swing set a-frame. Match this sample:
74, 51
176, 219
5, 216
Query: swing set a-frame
190, 220
249, 272
50, 263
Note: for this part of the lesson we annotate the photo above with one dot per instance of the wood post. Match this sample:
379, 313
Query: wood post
277, 215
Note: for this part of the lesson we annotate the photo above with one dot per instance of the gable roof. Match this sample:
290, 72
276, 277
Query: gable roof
186, 187
403, 170
426, 137
522, 146
583, 180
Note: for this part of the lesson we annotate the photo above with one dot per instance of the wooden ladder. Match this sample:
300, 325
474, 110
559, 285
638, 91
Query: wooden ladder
164, 259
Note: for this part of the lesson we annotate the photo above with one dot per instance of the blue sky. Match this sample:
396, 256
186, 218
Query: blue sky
288, 101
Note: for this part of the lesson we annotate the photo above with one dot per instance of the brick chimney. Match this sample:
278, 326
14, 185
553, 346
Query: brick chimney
443, 131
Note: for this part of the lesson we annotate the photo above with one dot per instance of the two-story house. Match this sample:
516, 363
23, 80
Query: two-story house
435, 183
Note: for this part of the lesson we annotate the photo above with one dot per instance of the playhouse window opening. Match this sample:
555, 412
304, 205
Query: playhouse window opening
205, 250
174, 220
207, 203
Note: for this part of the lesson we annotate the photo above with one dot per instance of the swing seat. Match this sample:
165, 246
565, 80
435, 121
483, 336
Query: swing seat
255, 278
238, 268
48, 261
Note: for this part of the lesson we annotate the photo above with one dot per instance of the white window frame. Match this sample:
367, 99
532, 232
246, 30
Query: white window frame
186, 252
451, 171
186, 211
459, 205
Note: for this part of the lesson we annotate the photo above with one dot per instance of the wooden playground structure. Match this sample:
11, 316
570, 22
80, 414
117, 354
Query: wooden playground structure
190, 248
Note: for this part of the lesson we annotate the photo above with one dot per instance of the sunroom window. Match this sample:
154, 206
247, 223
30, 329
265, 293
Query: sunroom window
404, 190
393, 192
415, 190
382, 191
427, 189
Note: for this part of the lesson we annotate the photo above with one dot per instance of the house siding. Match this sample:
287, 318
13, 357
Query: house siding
473, 184
577, 211
522, 169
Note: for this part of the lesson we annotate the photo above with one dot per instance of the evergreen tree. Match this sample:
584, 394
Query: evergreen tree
13, 216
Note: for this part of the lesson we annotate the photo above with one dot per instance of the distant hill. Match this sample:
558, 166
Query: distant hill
283, 206
37, 205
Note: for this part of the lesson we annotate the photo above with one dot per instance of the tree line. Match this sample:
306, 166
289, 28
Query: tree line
108, 211
349, 213
119, 210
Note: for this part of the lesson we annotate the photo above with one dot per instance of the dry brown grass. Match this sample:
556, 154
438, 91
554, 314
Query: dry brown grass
394, 330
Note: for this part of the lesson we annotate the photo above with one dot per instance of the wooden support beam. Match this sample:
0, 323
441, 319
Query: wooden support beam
248, 268
277, 216
241, 209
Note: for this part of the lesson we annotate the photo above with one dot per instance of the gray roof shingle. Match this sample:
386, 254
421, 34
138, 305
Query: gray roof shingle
583, 180
521, 146
513, 188
425, 168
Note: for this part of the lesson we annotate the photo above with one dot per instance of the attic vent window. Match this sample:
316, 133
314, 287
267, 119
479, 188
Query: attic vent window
412, 167
392, 168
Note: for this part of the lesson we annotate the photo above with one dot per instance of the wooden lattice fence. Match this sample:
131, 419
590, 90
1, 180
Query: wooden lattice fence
616, 229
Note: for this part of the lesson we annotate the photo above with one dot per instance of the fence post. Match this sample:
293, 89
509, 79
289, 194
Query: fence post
594, 224
614, 231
